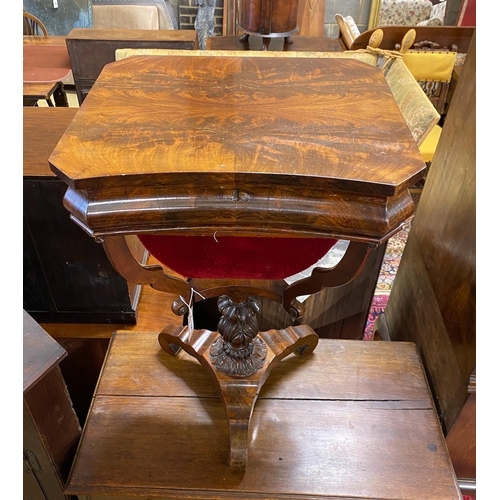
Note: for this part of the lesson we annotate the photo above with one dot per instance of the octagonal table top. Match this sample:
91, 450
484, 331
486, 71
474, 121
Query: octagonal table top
310, 131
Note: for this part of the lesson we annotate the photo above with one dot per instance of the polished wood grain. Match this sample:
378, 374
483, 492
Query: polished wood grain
433, 299
90, 49
42, 129
322, 144
340, 423
300, 43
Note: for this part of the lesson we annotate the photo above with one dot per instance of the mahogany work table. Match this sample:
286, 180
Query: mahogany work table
203, 145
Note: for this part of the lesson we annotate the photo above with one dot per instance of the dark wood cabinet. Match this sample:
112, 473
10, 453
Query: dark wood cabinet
67, 276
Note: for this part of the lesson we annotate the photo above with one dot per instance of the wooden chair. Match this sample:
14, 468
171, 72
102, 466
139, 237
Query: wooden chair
348, 29
452, 38
433, 70
32, 26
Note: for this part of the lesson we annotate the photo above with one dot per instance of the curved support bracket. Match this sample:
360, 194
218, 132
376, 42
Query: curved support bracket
239, 395
351, 264
125, 263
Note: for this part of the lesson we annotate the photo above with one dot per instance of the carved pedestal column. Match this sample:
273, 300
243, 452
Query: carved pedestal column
240, 359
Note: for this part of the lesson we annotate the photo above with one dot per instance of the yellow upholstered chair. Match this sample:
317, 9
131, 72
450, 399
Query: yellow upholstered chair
433, 70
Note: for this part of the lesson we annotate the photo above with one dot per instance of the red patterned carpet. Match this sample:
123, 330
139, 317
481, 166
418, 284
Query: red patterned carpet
390, 264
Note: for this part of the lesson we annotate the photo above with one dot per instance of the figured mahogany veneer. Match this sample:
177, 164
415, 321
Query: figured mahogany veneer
242, 147
176, 144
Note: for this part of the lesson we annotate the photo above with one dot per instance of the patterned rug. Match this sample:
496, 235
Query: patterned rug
388, 270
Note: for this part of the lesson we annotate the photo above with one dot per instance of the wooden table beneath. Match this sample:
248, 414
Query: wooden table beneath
353, 420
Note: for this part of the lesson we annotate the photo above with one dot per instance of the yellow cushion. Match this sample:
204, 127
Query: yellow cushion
428, 147
430, 65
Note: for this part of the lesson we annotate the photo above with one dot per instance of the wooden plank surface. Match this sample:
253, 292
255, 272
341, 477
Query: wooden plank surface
42, 129
357, 376
40, 352
353, 420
